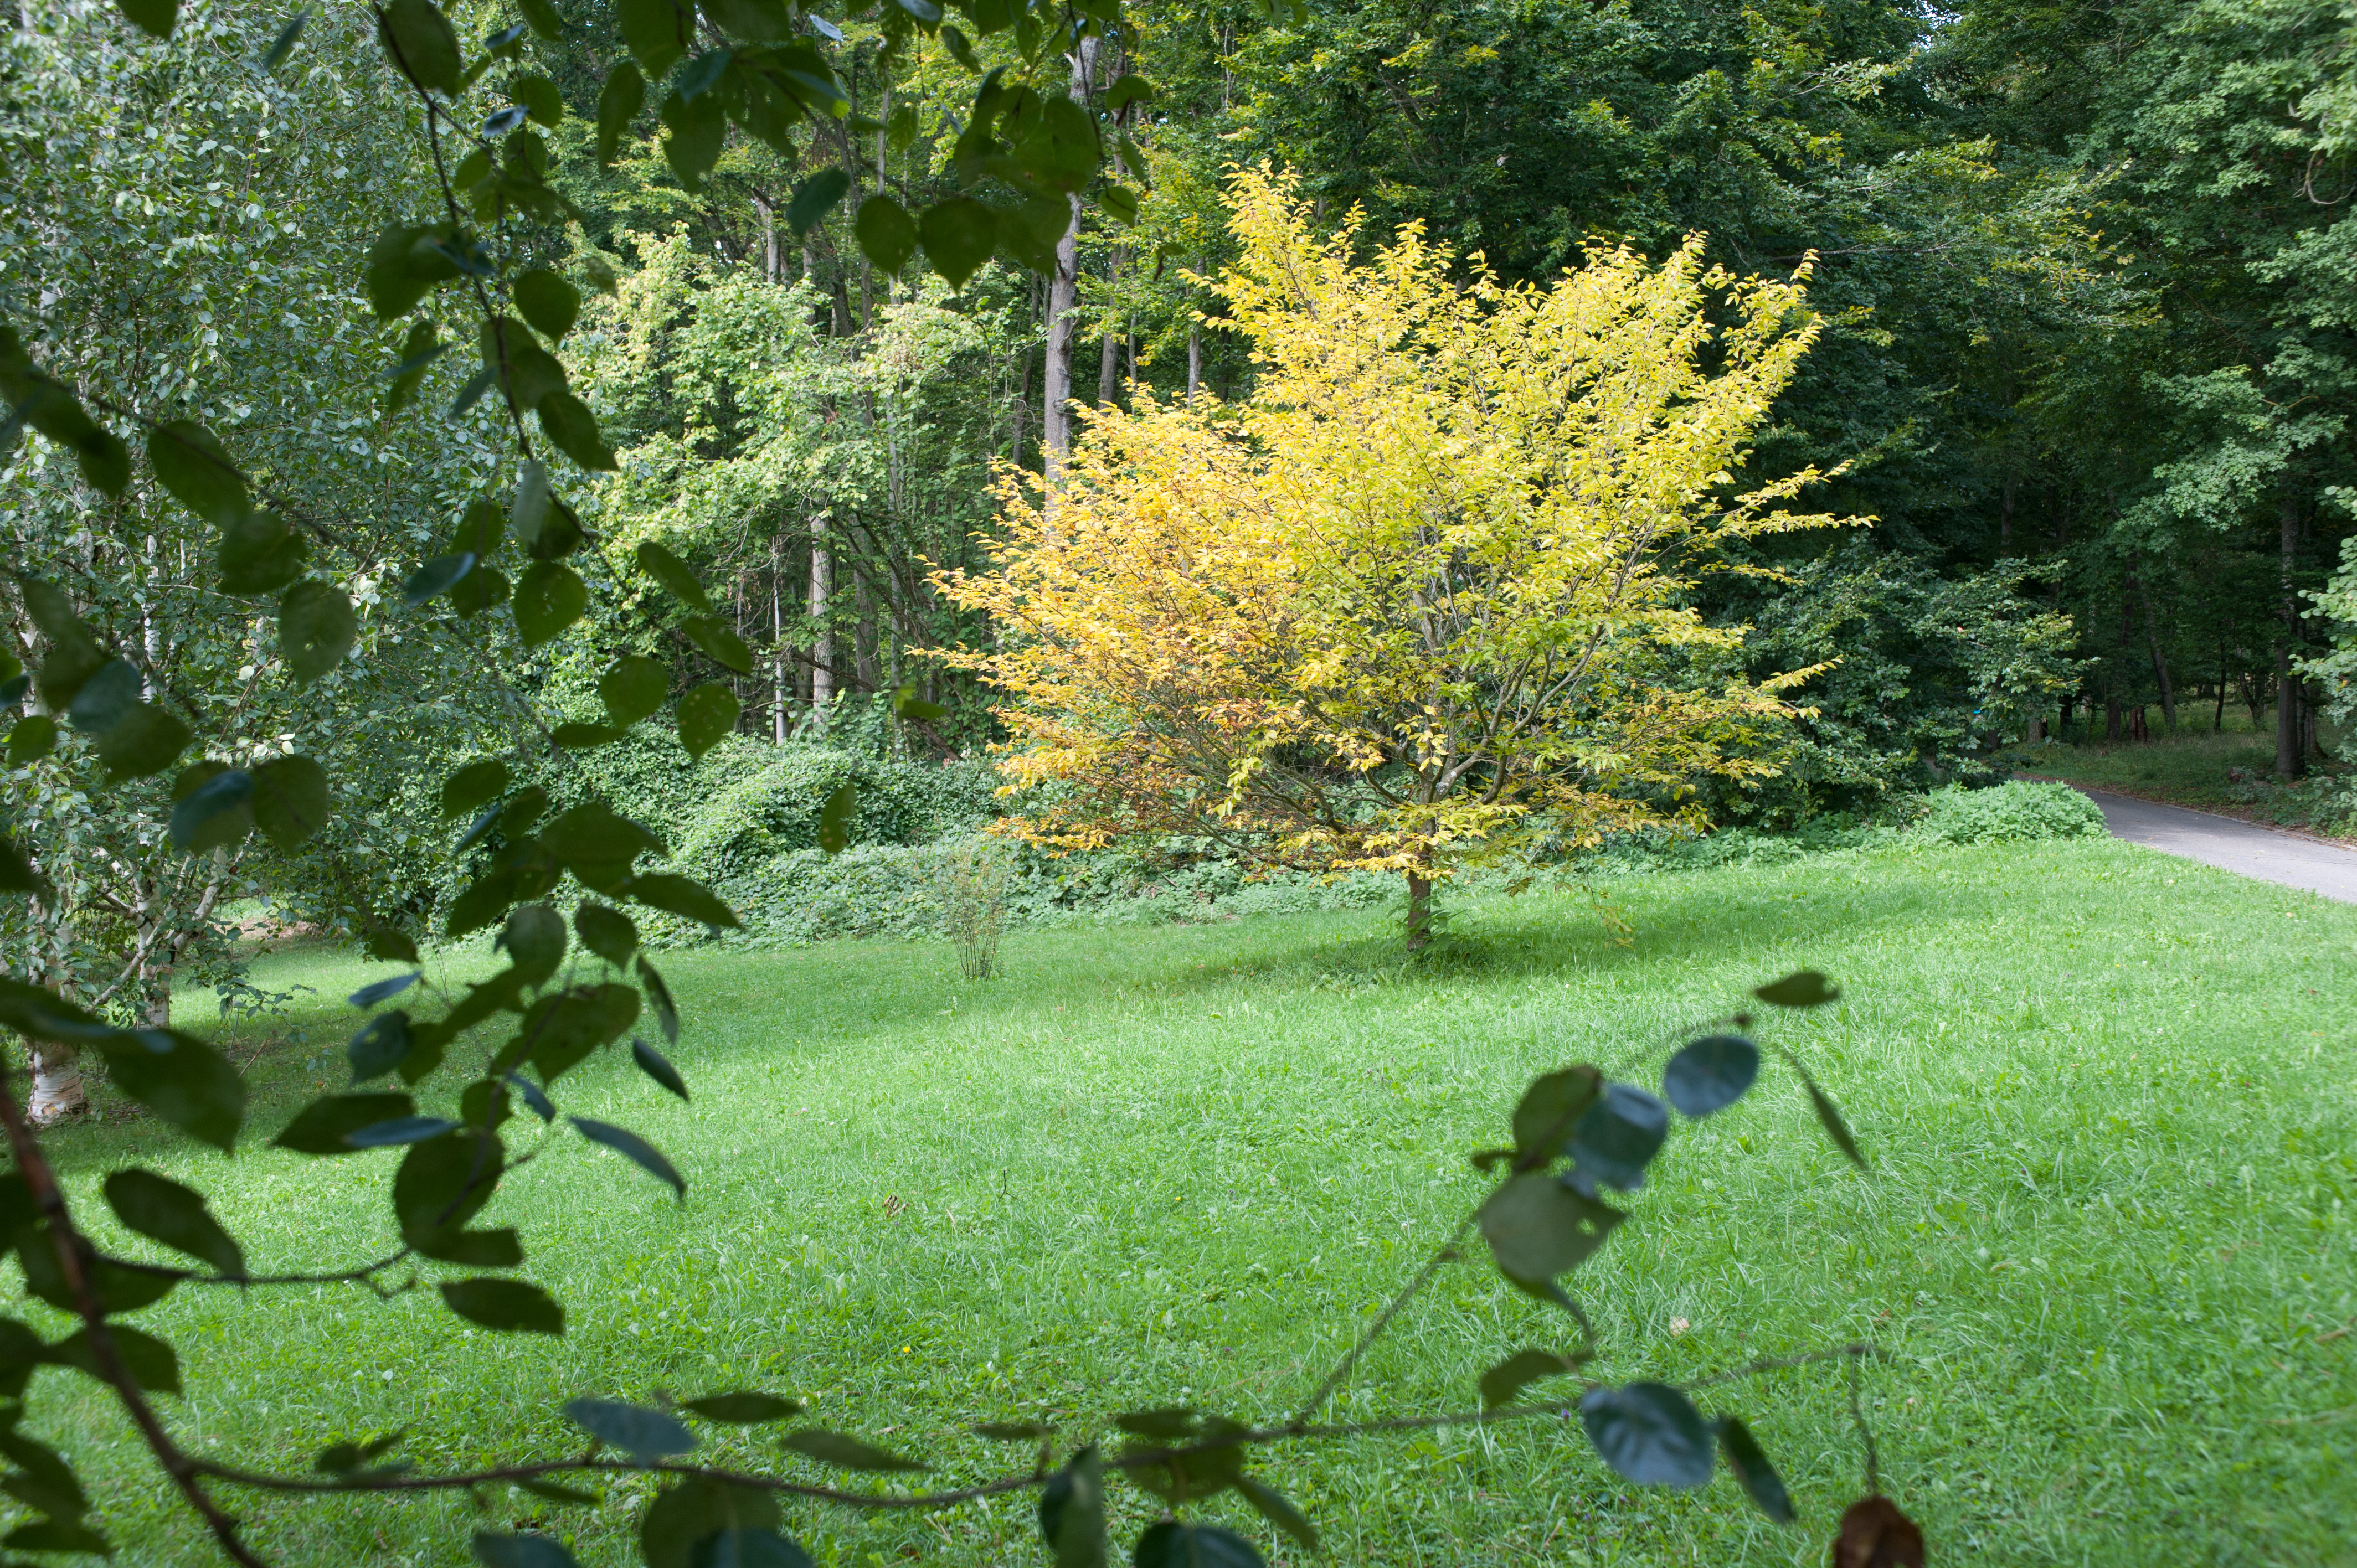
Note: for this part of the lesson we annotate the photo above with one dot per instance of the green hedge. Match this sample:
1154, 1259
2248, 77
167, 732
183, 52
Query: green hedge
2011, 813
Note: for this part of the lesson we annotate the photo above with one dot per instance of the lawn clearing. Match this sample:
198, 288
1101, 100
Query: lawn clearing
2229, 770
2106, 1092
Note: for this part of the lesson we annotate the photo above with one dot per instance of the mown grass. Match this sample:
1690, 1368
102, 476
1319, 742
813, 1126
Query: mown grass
2107, 1095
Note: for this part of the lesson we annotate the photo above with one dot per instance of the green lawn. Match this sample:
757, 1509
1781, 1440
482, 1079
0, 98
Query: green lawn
2107, 1096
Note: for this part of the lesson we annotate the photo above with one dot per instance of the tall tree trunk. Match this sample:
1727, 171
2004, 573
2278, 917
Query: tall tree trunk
2159, 663
778, 640
821, 584
771, 263
2005, 516
1063, 295
1108, 367
1194, 359
2291, 757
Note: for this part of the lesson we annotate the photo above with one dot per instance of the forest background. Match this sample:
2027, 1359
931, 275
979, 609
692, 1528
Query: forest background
2086, 274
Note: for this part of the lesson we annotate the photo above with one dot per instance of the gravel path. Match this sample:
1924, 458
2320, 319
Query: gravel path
2233, 845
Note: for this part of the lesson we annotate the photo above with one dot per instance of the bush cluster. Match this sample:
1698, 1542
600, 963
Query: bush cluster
2011, 813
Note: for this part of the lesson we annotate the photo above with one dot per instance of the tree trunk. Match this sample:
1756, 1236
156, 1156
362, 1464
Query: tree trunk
778, 640
2005, 518
822, 584
1063, 293
1194, 359
771, 263
2291, 757
1419, 911
2159, 664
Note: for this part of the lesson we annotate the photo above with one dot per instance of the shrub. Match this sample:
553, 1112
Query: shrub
2011, 812
774, 809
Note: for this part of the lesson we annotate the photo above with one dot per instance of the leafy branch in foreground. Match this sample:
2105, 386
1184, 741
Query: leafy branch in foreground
1575, 1136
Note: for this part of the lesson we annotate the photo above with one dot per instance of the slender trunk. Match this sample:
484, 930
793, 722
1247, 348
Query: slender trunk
1194, 359
1419, 911
771, 260
1022, 398
2291, 757
2159, 663
778, 640
2005, 516
1108, 367
822, 584
1063, 293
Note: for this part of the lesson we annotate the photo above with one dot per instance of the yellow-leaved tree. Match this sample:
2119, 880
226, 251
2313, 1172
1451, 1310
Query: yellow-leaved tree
1428, 592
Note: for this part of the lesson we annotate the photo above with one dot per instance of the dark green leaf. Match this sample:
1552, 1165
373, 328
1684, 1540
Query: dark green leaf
1751, 1469
59, 1534
906, 705
887, 234
290, 799
567, 422
424, 44
651, 1062
960, 49
1550, 1108
959, 235
435, 577
542, 100
633, 1147
316, 628
760, 21
681, 896
402, 1132
154, 17
475, 1248
1274, 1506
531, 373
1649, 1433
473, 784
17, 873
1711, 1074
746, 1408
582, 737
1125, 91
633, 687
924, 11
535, 1097
166, 1212
1829, 1115
1012, 1431
181, 1079
107, 698
704, 1523
1537, 1227
550, 597
214, 810
521, 1552
443, 1181
534, 941
191, 464
848, 1452
719, 644
1804, 988
260, 555
320, 1127
618, 102
1174, 1423
658, 32
608, 932
814, 197
694, 129
671, 571
834, 819
543, 16
152, 1363
659, 993
118, 1289
1071, 1512
1120, 202
705, 715
641, 1433
598, 846
547, 301
146, 741
1501, 1382
1617, 1138
1171, 1544
384, 989
508, 1305
700, 75
32, 738
378, 1048
540, 1487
